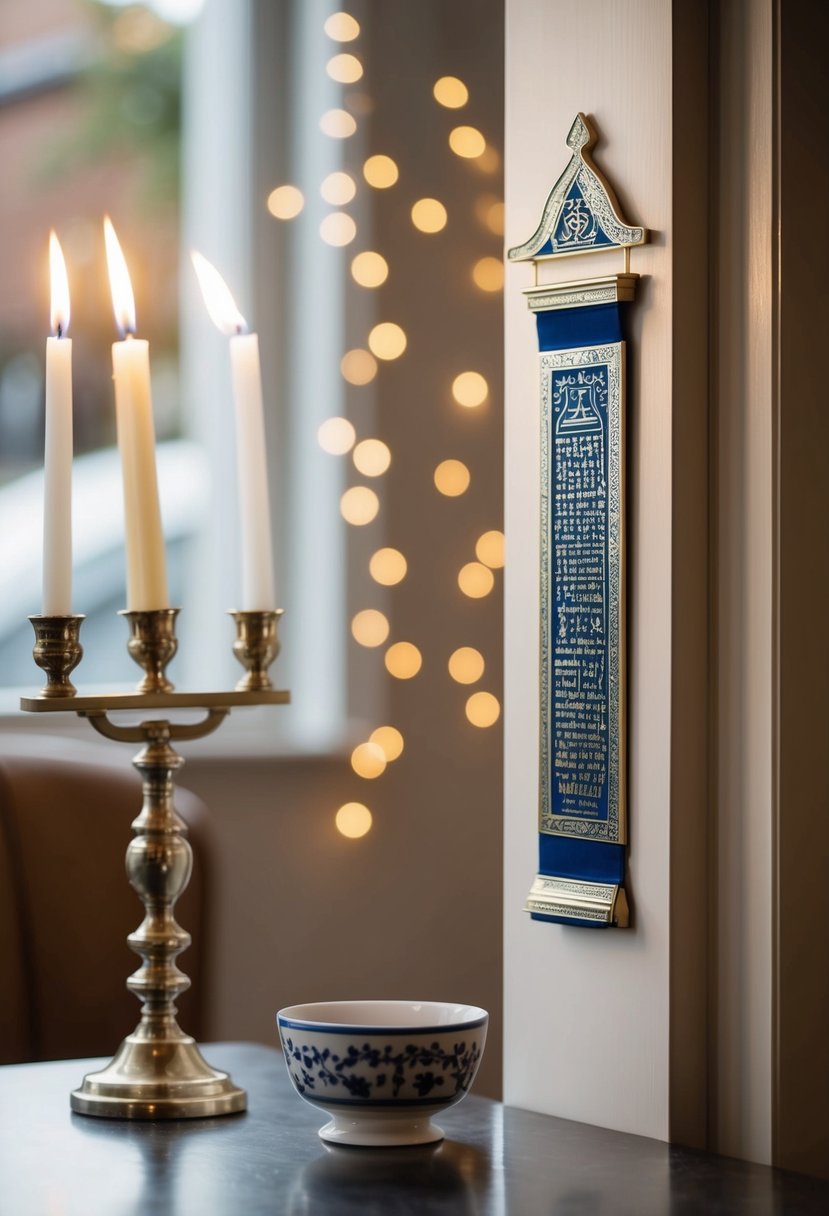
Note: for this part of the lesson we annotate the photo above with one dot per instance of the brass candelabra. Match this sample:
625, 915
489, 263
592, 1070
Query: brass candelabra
158, 1071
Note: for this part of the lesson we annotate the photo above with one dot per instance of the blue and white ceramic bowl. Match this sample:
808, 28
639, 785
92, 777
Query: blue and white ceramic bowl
381, 1069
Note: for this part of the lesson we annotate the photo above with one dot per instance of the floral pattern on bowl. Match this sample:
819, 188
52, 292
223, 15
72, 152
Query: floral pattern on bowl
373, 1064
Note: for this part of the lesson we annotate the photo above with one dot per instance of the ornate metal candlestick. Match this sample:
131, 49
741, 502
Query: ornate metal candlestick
158, 1071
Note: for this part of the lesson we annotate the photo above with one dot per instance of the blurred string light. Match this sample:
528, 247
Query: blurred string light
339, 124
345, 69
470, 389
371, 457
387, 340
467, 142
483, 709
390, 740
336, 436
369, 269
358, 366
490, 212
338, 229
403, 660
388, 567
285, 202
466, 665
368, 760
342, 27
475, 580
429, 215
359, 506
369, 627
489, 549
488, 274
380, 172
452, 478
450, 92
338, 189
488, 161
353, 820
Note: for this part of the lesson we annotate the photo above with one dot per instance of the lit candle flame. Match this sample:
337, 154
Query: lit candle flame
123, 301
60, 287
220, 303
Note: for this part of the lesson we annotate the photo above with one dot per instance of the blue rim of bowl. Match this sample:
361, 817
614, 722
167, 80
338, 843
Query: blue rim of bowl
343, 1028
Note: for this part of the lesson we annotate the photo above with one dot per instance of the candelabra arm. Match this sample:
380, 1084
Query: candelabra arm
137, 734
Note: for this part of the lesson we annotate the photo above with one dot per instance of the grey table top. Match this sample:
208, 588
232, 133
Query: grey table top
495, 1161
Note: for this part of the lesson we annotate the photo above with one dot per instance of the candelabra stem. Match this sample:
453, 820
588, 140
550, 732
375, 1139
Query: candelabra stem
158, 1072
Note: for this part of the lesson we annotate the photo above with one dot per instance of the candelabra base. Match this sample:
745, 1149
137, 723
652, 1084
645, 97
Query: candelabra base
152, 1079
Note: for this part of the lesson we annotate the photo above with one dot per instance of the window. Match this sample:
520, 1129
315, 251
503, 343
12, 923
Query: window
393, 162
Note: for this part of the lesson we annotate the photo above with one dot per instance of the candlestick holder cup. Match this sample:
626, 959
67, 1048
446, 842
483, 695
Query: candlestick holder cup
256, 647
57, 651
153, 645
158, 1071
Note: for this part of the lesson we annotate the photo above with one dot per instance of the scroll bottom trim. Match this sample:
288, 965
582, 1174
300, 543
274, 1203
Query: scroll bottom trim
567, 901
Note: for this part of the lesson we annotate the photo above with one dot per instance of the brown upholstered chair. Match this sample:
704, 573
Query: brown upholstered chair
66, 906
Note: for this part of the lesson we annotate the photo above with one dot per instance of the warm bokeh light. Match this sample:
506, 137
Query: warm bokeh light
338, 228
353, 820
489, 161
359, 506
369, 627
388, 567
368, 760
470, 389
59, 281
489, 209
429, 215
358, 366
369, 269
488, 274
380, 172
285, 202
338, 189
451, 92
341, 27
467, 142
371, 457
495, 219
390, 739
336, 435
387, 340
339, 124
123, 301
403, 660
452, 478
489, 549
475, 580
345, 69
483, 709
466, 665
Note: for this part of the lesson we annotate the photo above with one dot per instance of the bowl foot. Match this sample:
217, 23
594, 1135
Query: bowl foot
380, 1129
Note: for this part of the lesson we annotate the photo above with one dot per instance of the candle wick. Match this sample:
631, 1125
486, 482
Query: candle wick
59, 330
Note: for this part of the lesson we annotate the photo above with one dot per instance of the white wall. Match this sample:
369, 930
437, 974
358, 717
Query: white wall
586, 1012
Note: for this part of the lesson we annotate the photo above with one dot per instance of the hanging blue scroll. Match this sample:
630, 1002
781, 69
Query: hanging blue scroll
582, 794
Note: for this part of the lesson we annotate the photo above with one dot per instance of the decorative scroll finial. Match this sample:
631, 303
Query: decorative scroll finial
581, 214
